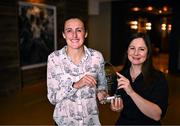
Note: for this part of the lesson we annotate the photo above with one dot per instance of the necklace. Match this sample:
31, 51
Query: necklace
133, 79
133, 74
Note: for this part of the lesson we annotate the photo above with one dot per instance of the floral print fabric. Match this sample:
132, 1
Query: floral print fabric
74, 107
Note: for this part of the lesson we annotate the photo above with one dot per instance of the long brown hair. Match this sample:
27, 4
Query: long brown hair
148, 70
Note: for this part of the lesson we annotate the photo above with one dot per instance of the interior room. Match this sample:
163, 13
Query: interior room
23, 65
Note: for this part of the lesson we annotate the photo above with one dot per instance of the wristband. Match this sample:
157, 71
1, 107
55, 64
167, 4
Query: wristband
73, 84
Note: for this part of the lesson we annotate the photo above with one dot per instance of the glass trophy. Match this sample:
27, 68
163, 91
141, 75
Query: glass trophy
111, 82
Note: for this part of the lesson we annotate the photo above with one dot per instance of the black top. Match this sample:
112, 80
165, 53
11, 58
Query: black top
157, 93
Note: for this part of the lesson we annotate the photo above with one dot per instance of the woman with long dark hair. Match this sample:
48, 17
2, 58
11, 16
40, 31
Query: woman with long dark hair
143, 89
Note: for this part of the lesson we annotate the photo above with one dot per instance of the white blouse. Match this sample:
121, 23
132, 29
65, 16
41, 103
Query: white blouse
74, 107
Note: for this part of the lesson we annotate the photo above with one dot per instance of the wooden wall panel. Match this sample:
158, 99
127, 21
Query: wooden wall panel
10, 77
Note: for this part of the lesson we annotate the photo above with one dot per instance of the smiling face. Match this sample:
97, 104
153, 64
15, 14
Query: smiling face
137, 51
74, 33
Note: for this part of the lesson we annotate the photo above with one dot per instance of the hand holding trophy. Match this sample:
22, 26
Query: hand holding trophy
111, 82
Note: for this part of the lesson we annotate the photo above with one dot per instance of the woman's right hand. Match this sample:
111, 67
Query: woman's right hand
124, 83
117, 104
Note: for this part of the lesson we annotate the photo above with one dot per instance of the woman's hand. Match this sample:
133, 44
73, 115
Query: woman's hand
87, 80
101, 95
124, 83
117, 104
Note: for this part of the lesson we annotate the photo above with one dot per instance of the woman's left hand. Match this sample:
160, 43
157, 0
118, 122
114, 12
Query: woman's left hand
117, 104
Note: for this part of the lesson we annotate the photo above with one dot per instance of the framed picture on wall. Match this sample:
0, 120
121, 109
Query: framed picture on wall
37, 33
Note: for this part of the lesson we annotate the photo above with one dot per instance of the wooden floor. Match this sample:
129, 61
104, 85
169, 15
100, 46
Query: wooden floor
31, 107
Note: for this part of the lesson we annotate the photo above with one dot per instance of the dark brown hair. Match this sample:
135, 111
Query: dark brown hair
148, 69
75, 17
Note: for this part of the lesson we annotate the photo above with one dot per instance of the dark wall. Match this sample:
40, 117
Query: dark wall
119, 31
174, 43
12, 77
169, 44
